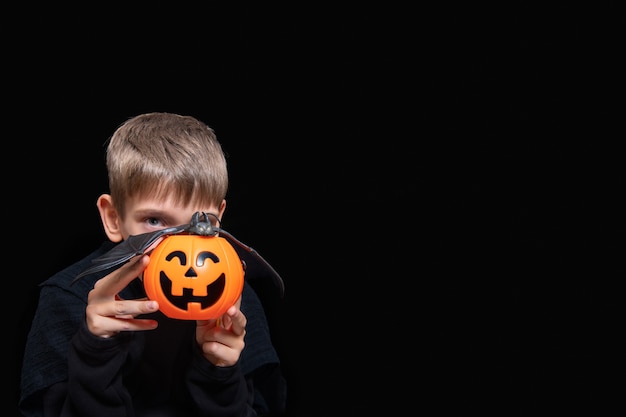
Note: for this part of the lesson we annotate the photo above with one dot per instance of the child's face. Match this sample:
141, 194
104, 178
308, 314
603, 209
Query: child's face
144, 215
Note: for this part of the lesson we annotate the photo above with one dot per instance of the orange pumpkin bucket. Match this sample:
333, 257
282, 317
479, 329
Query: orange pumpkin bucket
194, 277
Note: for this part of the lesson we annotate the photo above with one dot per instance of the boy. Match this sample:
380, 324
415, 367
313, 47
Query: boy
99, 347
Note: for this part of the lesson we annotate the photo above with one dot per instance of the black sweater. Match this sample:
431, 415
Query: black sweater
67, 371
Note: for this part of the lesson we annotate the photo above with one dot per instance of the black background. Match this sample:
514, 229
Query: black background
440, 187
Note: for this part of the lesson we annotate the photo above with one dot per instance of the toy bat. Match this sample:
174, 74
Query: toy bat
137, 245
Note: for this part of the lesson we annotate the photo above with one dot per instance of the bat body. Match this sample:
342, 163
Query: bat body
138, 244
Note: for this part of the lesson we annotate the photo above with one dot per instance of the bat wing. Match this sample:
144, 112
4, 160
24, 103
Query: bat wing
137, 245
128, 249
278, 280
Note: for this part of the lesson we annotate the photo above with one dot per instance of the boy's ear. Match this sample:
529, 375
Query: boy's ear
222, 209
110, 218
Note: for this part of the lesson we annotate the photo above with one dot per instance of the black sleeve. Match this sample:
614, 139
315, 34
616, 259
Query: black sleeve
95, 375
218, 391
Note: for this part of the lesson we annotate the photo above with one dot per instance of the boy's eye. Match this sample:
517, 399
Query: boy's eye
153, 221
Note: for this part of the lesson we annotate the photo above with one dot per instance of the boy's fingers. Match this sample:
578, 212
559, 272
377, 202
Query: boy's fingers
117, 280
238, 321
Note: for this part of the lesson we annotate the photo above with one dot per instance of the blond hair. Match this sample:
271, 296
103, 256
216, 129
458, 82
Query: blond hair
165, 155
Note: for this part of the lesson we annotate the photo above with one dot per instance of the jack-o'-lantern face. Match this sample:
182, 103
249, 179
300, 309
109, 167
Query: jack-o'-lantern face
194, 277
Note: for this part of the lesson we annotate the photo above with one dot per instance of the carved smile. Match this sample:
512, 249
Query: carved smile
214, 293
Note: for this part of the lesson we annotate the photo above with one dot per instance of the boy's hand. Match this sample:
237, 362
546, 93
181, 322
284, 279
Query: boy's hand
221, 340
107, 314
